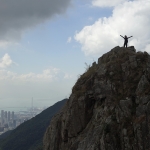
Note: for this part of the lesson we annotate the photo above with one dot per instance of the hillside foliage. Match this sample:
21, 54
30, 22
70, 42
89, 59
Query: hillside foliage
29, 135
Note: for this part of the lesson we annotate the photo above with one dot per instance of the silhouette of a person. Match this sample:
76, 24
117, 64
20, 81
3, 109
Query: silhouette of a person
126, 40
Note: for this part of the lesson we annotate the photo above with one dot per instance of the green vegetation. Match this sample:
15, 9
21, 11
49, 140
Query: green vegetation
29, 135
89, 72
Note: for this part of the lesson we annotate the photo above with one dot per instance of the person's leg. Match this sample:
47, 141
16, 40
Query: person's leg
124, 44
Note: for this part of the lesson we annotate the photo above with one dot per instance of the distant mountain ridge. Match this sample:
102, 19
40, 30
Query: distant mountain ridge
29, 135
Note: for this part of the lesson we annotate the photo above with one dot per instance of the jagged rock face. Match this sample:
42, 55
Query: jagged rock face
109, 108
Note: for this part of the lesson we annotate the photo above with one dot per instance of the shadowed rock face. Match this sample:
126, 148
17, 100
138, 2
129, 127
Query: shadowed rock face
109, 108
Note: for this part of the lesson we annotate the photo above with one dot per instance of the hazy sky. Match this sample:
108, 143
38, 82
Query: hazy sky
44, 44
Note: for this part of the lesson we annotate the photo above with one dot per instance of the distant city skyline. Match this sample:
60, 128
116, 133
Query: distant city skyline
44, 46
9, 120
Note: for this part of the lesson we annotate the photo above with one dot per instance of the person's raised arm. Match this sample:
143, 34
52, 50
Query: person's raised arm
130, 37
121, 36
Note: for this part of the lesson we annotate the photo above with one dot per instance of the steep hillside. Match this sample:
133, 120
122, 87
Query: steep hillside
109, 108
29, 135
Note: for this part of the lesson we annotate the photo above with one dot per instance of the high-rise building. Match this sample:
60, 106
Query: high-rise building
5, 114
2, 114
2, 117
13, 116
9, 116
14, 123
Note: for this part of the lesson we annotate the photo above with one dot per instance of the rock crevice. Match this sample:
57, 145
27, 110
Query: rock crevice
109, 108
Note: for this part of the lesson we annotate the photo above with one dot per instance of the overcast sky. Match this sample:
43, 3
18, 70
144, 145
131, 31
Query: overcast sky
44, 44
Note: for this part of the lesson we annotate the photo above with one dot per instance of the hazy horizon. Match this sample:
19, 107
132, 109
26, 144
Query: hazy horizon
44, 46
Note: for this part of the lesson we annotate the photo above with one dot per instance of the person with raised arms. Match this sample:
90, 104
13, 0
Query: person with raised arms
126, 40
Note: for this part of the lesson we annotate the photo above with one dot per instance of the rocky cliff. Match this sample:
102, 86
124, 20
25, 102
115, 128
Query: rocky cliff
109, 108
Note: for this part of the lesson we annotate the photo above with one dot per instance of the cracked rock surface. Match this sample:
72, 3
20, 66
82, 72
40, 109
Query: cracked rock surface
109, 108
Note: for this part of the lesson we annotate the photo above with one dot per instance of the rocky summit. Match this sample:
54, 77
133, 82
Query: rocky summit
109, 108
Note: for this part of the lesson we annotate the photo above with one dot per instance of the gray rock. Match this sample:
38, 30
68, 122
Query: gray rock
148, 108
101, 70
140, 110
125, 66
132, 48
126, 106
109, 109
142, 85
